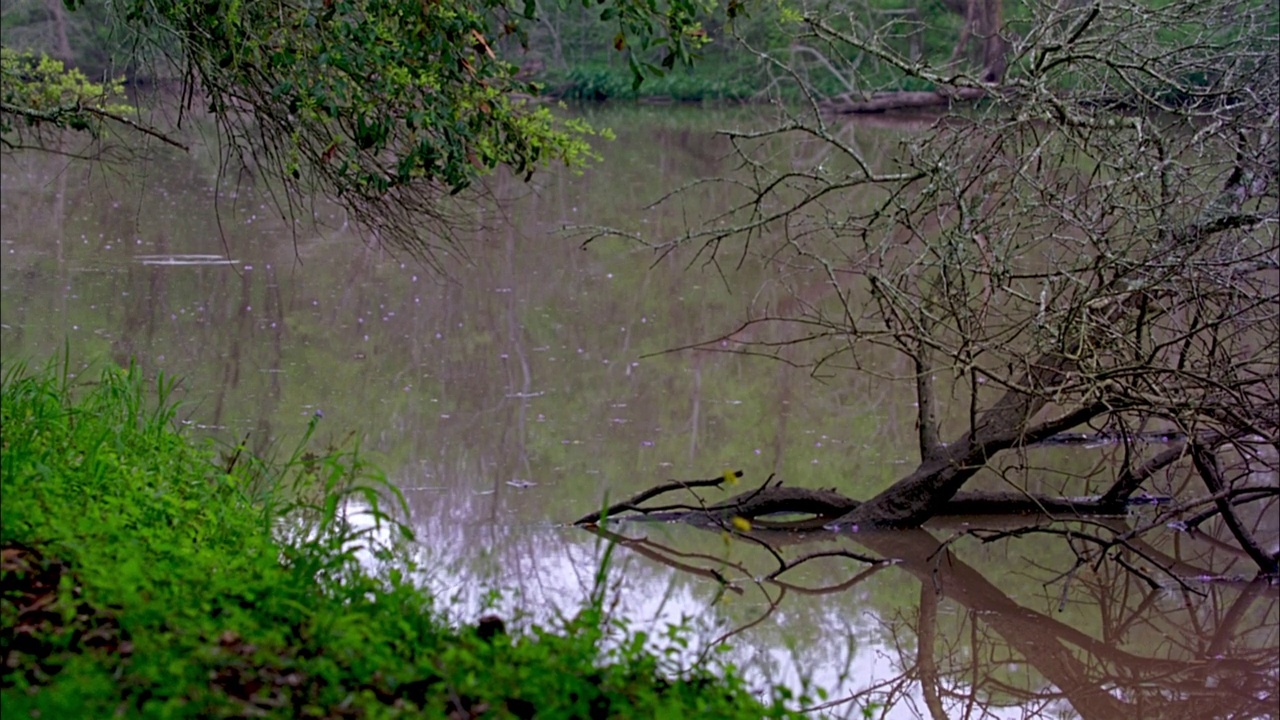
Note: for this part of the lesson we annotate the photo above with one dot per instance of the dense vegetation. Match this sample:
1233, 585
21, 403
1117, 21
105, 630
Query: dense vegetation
146, 575
390, 106
571, 49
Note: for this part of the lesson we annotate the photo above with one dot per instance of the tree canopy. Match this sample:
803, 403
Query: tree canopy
385, 105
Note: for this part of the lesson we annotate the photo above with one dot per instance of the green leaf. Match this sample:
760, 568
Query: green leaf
637, 75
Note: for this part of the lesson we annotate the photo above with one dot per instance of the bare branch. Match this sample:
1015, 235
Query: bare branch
1206, 463
633, 502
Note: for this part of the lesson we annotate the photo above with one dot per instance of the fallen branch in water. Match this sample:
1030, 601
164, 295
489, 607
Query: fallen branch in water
821, 506
633, 503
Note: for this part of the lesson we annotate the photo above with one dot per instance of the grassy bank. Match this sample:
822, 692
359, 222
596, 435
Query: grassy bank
145, 575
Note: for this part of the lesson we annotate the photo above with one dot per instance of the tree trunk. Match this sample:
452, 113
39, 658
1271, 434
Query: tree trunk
58, 17
994, 48
914, 499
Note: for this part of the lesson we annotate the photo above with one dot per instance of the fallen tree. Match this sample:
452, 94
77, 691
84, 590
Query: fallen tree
827, 508
850, 104
975, 68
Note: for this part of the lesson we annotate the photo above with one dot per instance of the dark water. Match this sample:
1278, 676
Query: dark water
521, 390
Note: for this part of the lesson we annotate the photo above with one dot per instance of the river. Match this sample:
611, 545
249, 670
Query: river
531, 381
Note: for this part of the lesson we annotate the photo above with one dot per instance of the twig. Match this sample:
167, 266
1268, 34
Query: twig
633, 502
55, 115
824, 554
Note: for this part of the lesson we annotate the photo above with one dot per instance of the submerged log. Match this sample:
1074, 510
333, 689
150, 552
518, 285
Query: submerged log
903, 100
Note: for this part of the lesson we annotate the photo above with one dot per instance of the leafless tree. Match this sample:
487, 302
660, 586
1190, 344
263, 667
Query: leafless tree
1094, 244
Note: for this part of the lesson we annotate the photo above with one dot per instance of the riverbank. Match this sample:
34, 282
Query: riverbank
147, 575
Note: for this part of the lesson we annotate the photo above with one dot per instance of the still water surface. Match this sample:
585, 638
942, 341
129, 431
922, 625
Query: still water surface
520, 391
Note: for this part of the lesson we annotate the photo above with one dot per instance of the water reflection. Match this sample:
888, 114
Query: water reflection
974, 634
528, 386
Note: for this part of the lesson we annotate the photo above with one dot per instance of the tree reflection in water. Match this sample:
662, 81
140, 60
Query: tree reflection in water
967, 649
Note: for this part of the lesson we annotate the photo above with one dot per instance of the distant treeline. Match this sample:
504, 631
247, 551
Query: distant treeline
575, 50
570, 50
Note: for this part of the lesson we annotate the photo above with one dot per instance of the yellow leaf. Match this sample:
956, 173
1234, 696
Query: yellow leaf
741, 523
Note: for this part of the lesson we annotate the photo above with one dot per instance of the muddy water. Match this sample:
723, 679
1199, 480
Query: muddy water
530, 384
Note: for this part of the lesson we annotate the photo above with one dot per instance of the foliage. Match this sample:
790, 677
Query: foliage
387, 105
746, 42
603, 82
392, 106
38, 90
88, 39
144, 575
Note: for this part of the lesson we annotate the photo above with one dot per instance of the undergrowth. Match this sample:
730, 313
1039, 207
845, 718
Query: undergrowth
146, 575
598, 82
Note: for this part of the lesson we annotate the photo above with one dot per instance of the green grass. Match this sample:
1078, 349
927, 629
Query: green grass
146, 575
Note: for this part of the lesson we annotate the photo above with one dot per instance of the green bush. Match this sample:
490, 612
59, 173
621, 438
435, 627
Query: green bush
145, 575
